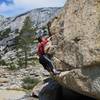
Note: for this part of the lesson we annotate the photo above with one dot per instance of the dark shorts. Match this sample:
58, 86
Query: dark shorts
46, 62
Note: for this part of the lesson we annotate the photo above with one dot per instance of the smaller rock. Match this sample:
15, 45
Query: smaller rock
45, 73
36, 90
14, 87
4, 80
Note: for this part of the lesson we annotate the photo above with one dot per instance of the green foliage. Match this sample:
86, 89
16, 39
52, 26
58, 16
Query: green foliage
4, 33
34, 42
29, 83
27, 27
2, 62
33, 61
27, 31
20, 62
21, 44
24, 41
12, 66
16, 30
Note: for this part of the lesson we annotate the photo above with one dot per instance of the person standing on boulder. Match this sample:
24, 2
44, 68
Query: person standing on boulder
43, 58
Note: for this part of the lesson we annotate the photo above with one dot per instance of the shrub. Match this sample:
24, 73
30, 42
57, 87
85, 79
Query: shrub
2, 62
12, 66
29, 83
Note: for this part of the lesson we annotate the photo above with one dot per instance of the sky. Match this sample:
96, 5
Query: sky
14, 7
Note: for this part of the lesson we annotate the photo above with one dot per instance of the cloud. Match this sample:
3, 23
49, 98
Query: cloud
7, 2
19, 6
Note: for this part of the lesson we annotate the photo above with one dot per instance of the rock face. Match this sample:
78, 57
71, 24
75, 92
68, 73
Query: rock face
76, 33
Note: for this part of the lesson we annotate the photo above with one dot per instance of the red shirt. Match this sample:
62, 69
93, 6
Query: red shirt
41, 46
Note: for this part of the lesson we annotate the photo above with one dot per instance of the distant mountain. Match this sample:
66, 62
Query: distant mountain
39, 17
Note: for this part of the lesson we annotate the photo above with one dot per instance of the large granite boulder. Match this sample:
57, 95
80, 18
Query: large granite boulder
76, 36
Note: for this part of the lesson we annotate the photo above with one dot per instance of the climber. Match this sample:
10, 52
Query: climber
43, 56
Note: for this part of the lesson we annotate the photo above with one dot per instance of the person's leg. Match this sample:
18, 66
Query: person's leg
42, 62
49, 63
50, 66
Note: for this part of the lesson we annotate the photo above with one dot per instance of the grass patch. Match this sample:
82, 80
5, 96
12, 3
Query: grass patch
29, 83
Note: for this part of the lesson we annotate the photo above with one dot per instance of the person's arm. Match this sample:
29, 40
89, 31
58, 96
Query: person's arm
44, 42
49, 38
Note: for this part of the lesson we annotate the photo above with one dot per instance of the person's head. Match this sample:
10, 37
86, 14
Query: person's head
40, 39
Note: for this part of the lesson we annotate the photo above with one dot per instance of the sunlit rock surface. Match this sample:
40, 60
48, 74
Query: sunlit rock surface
76, 38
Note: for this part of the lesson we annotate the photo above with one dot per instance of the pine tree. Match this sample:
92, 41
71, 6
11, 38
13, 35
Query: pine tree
25, 37
27, 27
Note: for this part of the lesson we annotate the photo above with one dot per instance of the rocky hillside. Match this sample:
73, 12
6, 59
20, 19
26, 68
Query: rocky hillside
76, 33
38, 16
